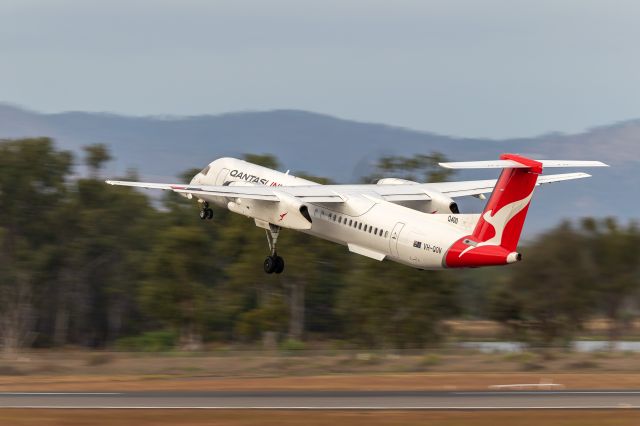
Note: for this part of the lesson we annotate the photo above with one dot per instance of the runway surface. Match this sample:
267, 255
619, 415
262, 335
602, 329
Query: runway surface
328, 400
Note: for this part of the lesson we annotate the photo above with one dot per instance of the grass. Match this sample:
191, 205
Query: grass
20, 417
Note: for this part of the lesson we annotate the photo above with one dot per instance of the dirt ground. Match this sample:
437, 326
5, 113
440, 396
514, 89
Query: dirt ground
101, 371
429, 381
20, 417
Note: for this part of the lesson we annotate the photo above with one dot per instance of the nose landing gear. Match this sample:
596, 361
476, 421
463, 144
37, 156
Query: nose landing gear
273, 263
206, 212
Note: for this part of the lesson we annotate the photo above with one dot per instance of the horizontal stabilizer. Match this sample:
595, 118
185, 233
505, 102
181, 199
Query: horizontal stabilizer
511, 164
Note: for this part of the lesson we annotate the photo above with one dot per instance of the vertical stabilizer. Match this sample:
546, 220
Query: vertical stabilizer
503, 217
495, 237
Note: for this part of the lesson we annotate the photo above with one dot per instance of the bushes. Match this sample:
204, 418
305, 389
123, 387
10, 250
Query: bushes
152, 341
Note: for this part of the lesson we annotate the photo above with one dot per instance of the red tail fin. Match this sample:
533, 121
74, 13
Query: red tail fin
505, 212
495, 237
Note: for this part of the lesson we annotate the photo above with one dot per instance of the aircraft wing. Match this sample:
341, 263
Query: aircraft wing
340, 193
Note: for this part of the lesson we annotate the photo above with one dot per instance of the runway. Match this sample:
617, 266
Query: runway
327, 400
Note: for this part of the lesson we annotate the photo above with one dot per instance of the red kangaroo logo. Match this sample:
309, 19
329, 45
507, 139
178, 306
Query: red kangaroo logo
283, 215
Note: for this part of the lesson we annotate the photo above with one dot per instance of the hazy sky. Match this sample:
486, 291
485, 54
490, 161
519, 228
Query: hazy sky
470, 68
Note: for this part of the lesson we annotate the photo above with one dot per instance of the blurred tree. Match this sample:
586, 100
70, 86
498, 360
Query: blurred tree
32, 186
388, 305
419, 168
179, 287
614, 268
95, 157
94, 264
549, 294
265, 160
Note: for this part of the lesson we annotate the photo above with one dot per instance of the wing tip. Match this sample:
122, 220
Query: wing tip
447, 165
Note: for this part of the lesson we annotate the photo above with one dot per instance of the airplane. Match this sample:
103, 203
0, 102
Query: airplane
415, 224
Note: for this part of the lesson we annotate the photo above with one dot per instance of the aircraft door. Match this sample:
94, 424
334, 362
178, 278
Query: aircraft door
394, 237
222, 175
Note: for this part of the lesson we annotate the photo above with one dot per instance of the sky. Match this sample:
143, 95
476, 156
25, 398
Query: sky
491, 68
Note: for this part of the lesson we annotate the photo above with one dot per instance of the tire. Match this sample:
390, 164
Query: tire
209, 214
269, 265
279, 265
203, 214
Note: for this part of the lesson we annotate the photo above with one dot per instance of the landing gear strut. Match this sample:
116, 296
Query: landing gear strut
206, 212
273, 263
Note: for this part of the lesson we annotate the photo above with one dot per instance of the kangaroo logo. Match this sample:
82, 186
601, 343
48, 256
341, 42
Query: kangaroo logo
282, 215
499, 221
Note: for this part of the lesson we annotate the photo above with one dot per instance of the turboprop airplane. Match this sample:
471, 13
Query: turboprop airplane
416, 224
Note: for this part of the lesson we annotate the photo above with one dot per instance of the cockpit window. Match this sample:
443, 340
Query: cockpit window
205, 170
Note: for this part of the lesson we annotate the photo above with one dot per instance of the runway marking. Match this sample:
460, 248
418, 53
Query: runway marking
58, 393
515, 392
376, 408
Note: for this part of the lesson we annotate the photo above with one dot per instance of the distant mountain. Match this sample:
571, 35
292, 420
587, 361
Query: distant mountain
162, 147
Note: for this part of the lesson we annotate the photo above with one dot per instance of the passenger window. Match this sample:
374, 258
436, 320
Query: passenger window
350, 222
360, 225
386, 234
334, 217
370, 229
380, 232
376, 231
339, 219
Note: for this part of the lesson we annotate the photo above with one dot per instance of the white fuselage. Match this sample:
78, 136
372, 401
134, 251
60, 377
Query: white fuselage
367, 224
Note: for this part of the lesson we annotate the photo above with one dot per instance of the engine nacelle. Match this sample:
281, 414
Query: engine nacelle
288, 212
439, 202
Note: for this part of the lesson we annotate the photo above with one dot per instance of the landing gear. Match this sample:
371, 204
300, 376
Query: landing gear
273, 263
206, 212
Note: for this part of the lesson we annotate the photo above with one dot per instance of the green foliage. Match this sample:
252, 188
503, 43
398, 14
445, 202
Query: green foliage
178, 291
568, 275
391, 306
419, 168
292, 345
270, 317
430, 360
265, 160
151, 341
96, 156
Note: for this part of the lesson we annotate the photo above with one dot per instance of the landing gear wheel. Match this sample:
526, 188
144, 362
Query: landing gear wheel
270, 265
206, 212
279, 265
274, 264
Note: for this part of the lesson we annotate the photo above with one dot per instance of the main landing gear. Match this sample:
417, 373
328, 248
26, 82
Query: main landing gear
206, 212
273, 263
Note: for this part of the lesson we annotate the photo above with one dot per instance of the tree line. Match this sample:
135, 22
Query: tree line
88, 264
